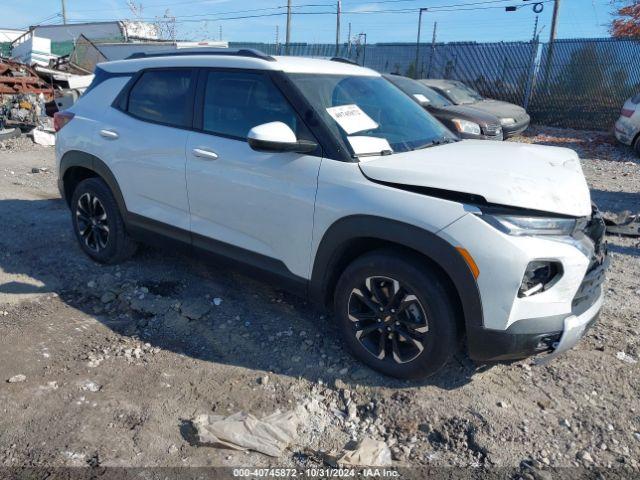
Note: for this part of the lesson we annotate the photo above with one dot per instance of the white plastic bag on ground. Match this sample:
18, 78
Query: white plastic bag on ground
368, 453
243, 431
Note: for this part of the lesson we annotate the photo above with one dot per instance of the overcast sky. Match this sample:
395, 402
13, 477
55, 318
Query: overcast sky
458, 20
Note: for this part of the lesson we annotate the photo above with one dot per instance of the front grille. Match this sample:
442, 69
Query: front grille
595, 229
589, 289
491, 129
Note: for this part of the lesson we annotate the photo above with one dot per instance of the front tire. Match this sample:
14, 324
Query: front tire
396, 315
636, 145
97, 223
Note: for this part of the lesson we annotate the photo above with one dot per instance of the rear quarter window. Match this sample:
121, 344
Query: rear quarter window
163, 96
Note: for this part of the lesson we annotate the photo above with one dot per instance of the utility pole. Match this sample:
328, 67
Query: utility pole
532, 66
288, 37
418, 42
338, 12
554, 20
364, 48
220, 32
552, 40
277, 36
349, 41
433, 47
64, 12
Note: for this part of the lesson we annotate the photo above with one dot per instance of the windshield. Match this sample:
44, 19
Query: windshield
461, 94
367, 112
418, 90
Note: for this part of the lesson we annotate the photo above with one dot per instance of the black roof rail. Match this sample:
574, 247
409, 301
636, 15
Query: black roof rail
344, 60
224, 52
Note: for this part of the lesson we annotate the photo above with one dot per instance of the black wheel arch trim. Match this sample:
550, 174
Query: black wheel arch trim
76, 158
436, 249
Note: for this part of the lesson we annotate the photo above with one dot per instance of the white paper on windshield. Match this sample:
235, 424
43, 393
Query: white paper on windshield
421, 98
373, 146
351, 118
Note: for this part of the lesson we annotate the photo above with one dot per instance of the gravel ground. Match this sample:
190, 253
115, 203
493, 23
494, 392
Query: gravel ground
106, 365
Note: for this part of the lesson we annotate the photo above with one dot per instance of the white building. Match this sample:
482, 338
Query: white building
9, 34
115, 31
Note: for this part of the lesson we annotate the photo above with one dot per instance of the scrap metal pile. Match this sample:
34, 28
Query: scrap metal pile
23, 94
30, 95
17, 78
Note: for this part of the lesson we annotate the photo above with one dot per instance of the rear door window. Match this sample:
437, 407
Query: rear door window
235, 102
163, 96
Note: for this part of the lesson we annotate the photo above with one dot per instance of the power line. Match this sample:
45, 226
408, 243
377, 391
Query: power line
433, 8
208, 17
442, 8
279, 7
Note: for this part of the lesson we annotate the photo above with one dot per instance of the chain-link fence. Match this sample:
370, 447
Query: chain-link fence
580, 83
576, 83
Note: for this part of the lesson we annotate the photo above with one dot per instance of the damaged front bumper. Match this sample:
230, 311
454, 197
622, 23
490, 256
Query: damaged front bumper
545, 337
574, 329
556, 336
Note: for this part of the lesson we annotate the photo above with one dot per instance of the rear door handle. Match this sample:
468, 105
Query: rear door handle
110, 134
204, 154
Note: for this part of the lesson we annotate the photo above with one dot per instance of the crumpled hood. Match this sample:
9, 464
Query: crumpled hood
500, 109
535, 177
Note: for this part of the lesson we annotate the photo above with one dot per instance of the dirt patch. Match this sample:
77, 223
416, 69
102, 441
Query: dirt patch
117, 359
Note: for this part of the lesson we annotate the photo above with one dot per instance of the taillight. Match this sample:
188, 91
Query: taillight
60, 119
627, 112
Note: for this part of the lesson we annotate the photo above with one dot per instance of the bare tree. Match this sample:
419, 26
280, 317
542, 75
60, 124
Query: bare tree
136, 9
166, 26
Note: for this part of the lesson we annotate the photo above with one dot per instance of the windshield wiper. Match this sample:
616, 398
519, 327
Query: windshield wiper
436, 142
381, 153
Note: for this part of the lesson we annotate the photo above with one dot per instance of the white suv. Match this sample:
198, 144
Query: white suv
326, 177
627, 128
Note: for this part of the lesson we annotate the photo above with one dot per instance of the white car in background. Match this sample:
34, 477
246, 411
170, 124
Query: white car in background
628, 125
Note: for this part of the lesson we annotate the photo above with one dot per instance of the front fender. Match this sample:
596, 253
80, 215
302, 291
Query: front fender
357, 227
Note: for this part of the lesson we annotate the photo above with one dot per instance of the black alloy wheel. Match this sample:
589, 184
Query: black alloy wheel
92, 222
397, 314
388, 319
98, 224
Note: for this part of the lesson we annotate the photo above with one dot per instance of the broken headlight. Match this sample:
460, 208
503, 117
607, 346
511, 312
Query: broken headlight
530, 225
539, 276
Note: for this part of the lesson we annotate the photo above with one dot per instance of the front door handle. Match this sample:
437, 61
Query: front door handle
110, 134
204, 154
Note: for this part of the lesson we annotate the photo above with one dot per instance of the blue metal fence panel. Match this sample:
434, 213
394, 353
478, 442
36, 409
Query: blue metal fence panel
577, 83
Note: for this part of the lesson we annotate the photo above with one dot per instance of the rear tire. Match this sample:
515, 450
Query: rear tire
98, 224
636, 145
396, 315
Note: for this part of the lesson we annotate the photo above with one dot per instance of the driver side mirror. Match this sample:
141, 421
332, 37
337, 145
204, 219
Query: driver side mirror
277, 137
